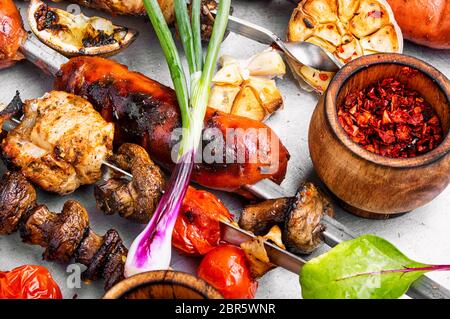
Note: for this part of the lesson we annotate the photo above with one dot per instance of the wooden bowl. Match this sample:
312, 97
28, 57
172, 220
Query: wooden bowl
163, 285
368, 184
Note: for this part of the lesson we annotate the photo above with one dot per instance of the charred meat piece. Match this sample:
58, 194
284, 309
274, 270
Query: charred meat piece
65, 236
136, 199
12, 34
303, 226
17, 196
60, 143
147, 113
301, 218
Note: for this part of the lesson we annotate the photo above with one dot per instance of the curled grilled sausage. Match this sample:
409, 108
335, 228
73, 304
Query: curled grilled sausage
146, 113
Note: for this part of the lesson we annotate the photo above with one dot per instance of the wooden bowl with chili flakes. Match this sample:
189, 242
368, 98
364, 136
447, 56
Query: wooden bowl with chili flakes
163, 285
355, 145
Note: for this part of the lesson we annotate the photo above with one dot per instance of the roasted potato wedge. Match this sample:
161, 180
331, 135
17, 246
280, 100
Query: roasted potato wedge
346, 28
246, 87
74, 35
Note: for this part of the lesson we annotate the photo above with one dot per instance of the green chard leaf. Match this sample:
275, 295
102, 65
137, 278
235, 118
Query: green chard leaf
368, 267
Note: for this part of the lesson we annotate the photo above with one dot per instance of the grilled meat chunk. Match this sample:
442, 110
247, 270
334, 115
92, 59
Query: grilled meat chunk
136, 199
301, 218
17, 197
65, 236
60, 143
147, 113
12, 34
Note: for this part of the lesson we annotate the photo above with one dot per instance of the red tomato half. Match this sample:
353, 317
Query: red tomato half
197, 229
226, 269
28, 282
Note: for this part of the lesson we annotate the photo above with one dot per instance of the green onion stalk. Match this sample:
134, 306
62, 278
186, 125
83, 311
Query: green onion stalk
152, 249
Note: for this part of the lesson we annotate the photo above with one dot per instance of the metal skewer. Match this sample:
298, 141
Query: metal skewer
424, 288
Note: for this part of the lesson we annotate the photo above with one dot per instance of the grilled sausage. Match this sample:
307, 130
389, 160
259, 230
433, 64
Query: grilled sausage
146, 113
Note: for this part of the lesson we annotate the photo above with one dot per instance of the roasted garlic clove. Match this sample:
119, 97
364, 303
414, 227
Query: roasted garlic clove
246, 87
74, 35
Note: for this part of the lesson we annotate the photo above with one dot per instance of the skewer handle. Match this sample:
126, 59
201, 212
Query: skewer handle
42, 56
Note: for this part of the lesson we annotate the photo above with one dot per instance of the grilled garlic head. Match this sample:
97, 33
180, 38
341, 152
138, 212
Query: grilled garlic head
346, 28
74, 35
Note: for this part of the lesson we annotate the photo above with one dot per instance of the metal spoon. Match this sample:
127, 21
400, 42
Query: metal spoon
303, 52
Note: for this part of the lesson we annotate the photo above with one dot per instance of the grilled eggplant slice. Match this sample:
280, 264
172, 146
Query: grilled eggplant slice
74, 35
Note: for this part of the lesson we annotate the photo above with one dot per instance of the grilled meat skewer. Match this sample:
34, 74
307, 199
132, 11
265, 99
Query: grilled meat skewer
146, 113
64, 236
301, 218
60, 144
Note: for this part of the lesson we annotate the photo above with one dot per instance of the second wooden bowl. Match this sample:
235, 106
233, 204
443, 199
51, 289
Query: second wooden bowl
163, 285
368, 184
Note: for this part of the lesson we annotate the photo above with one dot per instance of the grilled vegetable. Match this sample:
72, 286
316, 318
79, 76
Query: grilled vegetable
128, 7
246, 88
346, 28
424, 22
74, 35
197, 229
151, 250
61, 142
65, 235
301, 218
28, 282
137, 199
226, 268
12, 34
118, 94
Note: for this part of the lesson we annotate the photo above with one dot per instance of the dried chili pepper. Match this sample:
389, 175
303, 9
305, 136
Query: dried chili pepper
389, 119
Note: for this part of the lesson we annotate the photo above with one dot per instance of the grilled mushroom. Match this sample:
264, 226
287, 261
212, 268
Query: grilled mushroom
303, 226
136, 199
64, 236
301, 218
17, 196
74, 35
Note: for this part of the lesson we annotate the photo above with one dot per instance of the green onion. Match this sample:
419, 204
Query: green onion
151, 250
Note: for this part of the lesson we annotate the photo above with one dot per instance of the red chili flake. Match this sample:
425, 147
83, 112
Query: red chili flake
375, 14
323, 76
389, 119
409, 72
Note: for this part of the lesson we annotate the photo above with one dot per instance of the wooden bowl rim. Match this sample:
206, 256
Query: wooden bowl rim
362, 63
170, 277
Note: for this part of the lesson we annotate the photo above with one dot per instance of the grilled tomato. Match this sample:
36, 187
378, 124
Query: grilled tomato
226, 269
28, 282
197, 229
